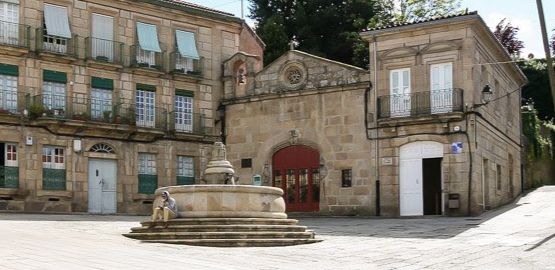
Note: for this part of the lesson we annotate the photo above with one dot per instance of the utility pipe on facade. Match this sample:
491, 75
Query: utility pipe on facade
375, 60
550, 70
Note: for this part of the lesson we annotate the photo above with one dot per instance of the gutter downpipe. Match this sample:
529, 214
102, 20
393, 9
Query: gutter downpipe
377, 147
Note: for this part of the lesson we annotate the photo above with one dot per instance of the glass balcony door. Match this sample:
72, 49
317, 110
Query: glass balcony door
102, 43
101, 104
8, 93
9, 27
441, 86
184, 113
54, 96
400, 103
145, 102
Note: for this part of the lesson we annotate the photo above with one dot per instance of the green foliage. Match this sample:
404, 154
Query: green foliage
506, 34
532, 129
35, 110
537, 90
405, 11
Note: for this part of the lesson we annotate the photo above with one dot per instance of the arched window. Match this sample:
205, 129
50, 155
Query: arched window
102, 148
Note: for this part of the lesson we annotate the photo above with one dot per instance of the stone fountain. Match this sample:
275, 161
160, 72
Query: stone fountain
220, 213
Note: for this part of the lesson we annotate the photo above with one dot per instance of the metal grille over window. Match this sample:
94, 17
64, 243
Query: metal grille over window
102, 148
346, 178
148, 180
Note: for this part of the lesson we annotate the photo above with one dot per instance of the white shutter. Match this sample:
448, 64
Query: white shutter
394, 81
448, 76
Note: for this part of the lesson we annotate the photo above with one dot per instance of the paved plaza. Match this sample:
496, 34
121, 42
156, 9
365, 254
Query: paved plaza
518, 236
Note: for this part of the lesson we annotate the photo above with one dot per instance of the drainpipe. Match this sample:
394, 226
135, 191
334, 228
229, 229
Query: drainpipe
377, 147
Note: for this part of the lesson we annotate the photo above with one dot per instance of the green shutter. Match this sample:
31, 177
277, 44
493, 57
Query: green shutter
186, 93
185, 180
11, 70
102, 83
146, 87
54, 76
148, 183
53, 179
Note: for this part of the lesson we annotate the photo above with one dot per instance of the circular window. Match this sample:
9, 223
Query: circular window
294, 75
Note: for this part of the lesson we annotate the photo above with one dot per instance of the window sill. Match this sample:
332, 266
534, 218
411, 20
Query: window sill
9, 191
55, 193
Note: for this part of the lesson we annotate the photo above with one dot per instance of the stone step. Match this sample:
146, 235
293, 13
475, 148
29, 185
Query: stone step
237, 242
221, 228
219, 235
222, 221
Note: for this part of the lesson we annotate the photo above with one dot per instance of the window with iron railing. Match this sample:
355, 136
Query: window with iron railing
9, 170
8, 93
185, 170
148, 179
183, 113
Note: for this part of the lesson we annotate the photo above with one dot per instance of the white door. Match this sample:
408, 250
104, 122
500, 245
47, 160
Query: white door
102, 37
102, 186
441, 88
399, 82
411, 199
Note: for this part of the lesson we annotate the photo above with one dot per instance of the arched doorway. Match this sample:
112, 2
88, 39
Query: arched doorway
296, 171
420, 180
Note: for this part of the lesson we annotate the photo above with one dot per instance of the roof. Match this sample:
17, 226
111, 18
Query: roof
195, 9
396, 25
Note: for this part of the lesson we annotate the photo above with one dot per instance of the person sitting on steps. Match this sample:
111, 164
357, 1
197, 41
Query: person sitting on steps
166, 210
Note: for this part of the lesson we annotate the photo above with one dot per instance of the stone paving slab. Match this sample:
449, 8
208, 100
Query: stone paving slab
518, 236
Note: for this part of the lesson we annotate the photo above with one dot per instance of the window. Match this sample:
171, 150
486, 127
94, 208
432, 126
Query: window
147, 36
102, 36
184, 111
54, 97
148, 180
9, 27
9, 172
145, 102
53, 168
187, 51
185, 170
246, 163
346, 178
8, 93
441, 88
101, 99
56, 30
399, 82
498, 178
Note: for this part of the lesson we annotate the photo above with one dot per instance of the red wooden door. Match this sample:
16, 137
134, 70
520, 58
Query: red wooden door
296, 171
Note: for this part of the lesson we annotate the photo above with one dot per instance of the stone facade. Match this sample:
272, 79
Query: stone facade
218, 36
347, 115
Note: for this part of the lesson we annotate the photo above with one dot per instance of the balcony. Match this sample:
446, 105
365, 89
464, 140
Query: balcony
147, 60
56, 45
15, 35
103, 51
193, 123
8, 102
418, 104
185, 66
9, 177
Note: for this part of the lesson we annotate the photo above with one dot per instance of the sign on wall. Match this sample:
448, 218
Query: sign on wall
456, 147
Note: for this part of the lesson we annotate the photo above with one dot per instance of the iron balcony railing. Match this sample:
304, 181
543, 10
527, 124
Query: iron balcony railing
14, 34
9, 177
81, 107
420, 103
146, 59
54, 44
8, 101
103, 50
184, 65
187, 122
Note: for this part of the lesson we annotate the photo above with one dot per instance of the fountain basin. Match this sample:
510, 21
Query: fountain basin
226, 201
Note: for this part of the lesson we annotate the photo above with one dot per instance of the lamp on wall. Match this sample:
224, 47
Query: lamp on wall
487, 94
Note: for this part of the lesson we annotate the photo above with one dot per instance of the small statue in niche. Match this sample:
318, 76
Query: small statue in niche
241, 76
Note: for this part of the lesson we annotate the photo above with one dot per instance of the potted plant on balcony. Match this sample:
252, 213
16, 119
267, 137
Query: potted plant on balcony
36, 111
107, 116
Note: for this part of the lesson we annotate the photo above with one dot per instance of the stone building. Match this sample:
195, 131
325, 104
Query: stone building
103, 101
432, 129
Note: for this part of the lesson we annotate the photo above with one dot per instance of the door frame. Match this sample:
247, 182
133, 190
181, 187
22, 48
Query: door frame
418, 151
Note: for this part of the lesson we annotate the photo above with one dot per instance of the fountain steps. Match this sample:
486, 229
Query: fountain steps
224, 232
222, 228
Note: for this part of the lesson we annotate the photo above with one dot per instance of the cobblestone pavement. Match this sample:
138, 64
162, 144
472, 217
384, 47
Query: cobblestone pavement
518, 236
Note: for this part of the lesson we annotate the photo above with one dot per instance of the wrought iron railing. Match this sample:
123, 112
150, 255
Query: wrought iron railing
57, 45
81, 107
184, 65
148, 183
146, 59
14, 34
9, 177
421, 103
8, 101
103, 50
187, 122
53, 179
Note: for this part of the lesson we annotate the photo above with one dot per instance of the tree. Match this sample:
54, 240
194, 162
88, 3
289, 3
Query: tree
553, 42
327, 28
406, 11
506, 34
537, 90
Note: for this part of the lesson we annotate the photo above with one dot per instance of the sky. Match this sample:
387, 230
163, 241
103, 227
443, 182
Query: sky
521, 13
